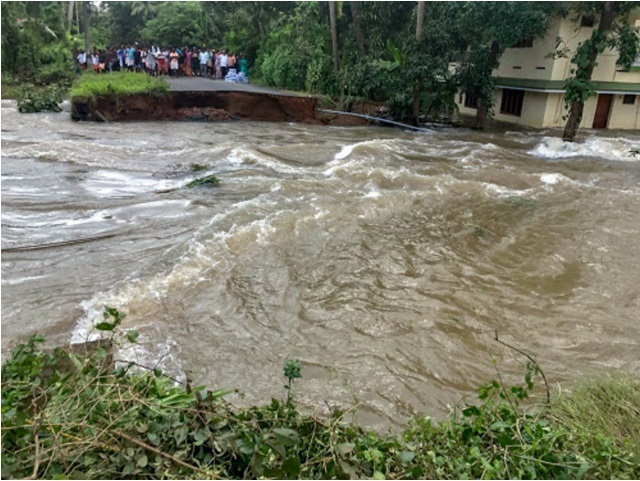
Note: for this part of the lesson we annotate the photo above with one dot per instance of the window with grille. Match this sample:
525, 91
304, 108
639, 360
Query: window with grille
524, 43
470, 101
512, 102
629, 99
587, 21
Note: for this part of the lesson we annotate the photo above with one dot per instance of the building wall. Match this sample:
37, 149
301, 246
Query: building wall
542, 110
533, 109
624, 116
530, 62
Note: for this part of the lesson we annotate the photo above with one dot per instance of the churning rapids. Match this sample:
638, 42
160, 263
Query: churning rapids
384, 260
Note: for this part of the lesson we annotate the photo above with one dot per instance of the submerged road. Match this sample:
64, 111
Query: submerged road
199, 84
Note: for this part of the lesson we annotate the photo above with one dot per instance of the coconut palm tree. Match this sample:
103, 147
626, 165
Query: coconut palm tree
146, 10
334, 35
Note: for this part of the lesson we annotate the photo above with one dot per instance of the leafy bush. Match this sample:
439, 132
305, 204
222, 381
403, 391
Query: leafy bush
284, 68
206, 180
33, 99
65, 416
56, 66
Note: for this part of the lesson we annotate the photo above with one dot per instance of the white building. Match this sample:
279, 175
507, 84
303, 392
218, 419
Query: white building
531, 83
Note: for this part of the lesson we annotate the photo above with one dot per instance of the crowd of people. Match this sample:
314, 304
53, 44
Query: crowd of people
189, 62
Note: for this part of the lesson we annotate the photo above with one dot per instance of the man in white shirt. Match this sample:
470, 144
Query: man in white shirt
82, 60
203, 57
224, 62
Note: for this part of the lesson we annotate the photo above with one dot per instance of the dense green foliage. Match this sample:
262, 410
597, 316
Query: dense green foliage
36, 47
43, 99
288, 44
118, 83
379, 55
176, 24
66, 416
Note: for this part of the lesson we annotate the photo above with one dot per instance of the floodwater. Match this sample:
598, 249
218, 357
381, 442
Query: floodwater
384, 260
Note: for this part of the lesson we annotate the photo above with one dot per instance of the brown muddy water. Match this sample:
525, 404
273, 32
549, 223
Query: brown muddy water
384, 260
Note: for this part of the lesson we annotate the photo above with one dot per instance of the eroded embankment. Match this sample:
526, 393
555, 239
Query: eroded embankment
206, 106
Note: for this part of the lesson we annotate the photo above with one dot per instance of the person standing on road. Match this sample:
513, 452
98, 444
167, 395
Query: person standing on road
195, 61
243, 64
151, 62
232, 62
224, 62
82, 60
187, 62
203, 57
129, 60
173, 62
217, 63
121, 54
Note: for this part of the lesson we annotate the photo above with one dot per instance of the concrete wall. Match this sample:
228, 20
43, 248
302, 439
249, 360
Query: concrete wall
533, 110
621, 116
542, 110
530, 63
624, 116
530, 60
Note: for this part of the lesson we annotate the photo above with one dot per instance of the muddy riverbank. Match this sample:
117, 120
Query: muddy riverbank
218, 106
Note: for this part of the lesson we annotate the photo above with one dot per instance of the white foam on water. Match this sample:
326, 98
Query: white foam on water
373, 194
347, 150
552, 179
344, 152
245, 157
502, 191
616, 149
205, 253
21, 280
339, 167
109, 183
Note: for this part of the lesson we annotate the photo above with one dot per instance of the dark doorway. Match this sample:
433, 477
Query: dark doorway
602, 111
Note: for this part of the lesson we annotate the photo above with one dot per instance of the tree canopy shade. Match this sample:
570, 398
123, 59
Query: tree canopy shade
177, 24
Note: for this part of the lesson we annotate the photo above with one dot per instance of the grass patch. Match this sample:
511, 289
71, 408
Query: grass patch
118, 83
605, 407
10, 91
70, 417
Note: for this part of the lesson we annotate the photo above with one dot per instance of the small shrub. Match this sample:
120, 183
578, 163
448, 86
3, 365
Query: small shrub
39, 99
206, 180
198, 167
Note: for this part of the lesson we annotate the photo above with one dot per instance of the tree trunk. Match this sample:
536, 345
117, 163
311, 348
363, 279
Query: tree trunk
420, 20
481, 115
70, 16
334, 36
584, 73
573, 121
76, 6
417, 87
358, 28
85, 27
